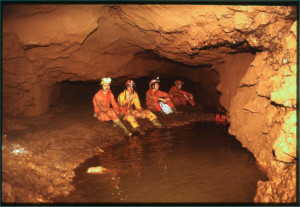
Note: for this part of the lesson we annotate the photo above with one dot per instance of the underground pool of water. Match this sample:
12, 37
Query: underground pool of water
196, 163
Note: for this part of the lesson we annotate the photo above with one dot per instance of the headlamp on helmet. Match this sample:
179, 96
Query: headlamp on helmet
152, 82
105, 80
178, 82
130, 83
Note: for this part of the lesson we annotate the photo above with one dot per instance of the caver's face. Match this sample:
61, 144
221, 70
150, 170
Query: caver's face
130, 89
179, 86
156, 86
106, 87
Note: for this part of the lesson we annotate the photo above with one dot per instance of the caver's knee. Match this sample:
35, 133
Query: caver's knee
112, 114
151, 116
146, 112
131, 119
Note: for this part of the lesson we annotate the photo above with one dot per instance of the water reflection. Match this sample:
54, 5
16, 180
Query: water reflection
127, 163
133, 154
161, 146
188, 164
120, 167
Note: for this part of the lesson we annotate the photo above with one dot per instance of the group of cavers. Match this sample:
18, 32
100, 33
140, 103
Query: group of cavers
128, 107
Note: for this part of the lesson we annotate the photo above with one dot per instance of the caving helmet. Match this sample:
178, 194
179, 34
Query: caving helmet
130, 83
105, 80
178, 82
152, 82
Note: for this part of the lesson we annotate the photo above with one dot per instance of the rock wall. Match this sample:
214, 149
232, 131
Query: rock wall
46, 44
263, 116
231, 72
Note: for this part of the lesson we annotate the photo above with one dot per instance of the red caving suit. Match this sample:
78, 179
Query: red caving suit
178, 98
152, 101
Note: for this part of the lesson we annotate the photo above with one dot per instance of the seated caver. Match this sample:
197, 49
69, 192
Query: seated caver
154, 96
102, 110
180, 97
130, 105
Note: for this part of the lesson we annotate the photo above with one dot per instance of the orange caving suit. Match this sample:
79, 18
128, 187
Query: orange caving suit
177, 97
127, 102
152, 101
102, 106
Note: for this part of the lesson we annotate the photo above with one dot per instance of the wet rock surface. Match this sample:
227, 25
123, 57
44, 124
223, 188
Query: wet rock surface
39, 154
280, 189
46, 44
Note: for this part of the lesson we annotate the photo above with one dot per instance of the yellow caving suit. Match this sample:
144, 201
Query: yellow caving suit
126, 102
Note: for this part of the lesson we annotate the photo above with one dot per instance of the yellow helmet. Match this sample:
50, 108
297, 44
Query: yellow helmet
105, 80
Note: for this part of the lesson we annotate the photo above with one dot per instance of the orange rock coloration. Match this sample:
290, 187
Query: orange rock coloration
247, 53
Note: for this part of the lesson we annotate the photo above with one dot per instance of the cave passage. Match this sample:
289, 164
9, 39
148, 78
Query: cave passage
239, 57
196, 163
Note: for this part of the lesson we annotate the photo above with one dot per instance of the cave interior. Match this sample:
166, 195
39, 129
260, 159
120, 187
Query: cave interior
241, 57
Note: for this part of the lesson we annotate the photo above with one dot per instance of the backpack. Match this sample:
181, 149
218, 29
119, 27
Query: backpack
165, 108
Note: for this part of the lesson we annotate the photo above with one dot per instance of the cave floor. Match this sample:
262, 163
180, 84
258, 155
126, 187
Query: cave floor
39, 154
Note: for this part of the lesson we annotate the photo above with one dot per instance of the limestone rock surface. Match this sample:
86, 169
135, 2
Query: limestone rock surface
248, 54
263, 117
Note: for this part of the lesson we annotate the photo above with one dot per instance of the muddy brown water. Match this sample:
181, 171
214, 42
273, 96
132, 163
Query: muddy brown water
197, 163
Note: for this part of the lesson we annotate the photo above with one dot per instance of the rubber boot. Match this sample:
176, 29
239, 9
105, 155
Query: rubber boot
156, 124
142, 132
121, 125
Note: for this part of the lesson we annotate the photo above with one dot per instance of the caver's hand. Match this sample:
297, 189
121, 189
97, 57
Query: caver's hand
162, 100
